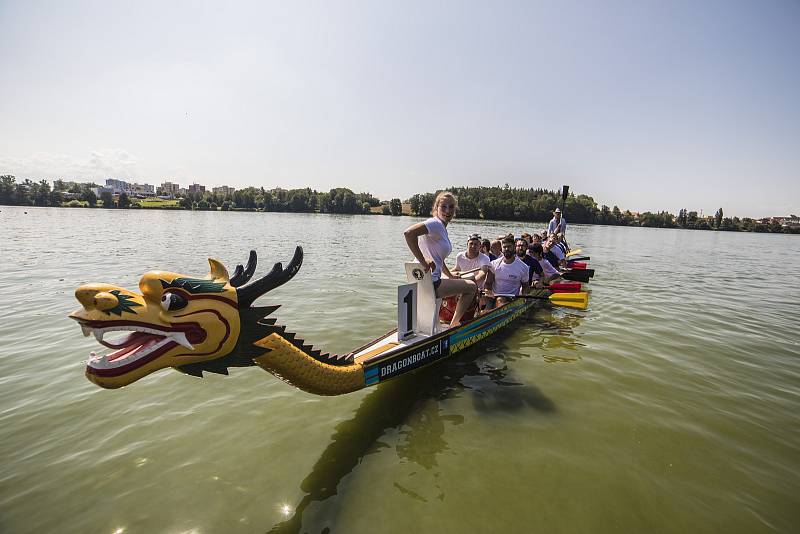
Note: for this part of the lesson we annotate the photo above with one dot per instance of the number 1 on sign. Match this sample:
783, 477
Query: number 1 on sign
406, 310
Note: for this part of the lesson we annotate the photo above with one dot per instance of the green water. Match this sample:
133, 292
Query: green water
671, 405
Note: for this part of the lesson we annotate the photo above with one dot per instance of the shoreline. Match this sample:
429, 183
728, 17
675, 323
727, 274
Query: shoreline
760, 229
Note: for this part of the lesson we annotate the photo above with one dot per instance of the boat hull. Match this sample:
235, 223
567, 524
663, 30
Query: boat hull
440, 346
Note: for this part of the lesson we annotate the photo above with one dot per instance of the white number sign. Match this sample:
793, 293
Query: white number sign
406, 310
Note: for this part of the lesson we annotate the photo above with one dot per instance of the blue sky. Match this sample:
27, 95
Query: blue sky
646, 105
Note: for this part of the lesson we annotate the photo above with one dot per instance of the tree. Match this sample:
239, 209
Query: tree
90, 198
56, 197
718, 219
386, 210
267, 201
298, 201
616, 215
123, 201
7, 187
107, 199
605, 215
421, 205
350, 203
682, 218
396, 207
468, 208
41, 194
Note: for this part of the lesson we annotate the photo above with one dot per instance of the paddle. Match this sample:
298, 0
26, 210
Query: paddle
574, 252
565, 287
579, 301
580, 275
579, 258
577, 265
471, 271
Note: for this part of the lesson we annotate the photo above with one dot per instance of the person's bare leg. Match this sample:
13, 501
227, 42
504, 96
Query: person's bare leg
465, 289
464, 302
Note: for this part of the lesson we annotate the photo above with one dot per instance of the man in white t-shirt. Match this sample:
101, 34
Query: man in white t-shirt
509, 275
472, 259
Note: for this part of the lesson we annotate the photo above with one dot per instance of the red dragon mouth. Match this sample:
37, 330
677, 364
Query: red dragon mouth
142, 345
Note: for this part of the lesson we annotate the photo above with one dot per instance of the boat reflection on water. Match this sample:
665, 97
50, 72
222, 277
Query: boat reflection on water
410, 405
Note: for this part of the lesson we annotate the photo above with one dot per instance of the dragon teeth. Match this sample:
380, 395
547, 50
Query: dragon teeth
98, 335
86, 331
180, 338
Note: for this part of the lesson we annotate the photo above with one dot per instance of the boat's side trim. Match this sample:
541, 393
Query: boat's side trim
443, 345
477, 335
418, 355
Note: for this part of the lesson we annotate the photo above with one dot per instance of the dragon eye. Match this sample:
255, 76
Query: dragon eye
173, 301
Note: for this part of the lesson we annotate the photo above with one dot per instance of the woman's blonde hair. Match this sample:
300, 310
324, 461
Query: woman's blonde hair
441, 196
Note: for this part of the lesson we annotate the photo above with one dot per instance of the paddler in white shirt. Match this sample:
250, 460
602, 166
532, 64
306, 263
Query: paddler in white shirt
509, 275
473, 260
473, 264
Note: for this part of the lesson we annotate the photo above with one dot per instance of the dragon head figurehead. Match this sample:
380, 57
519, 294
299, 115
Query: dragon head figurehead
176, 321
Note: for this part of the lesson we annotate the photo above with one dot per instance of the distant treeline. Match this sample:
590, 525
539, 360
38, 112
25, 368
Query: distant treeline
491, 203
339, 200
507, 203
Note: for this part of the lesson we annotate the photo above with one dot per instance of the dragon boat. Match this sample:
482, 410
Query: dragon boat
210, 324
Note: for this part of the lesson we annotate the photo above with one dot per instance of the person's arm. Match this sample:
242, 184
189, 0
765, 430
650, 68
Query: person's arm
526, 288
446, 271
489, 283
412, 235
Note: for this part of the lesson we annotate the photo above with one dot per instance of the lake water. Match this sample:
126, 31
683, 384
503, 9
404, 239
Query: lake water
671, 405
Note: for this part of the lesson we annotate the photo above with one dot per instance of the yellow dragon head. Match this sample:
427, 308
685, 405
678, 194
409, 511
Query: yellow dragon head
176, 321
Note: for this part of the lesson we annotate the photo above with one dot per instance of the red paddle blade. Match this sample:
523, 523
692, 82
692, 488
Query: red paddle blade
577, 264
565, 287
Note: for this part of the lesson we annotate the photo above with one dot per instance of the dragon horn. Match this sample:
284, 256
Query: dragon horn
276, 277
242, 275
236, 274
218, 271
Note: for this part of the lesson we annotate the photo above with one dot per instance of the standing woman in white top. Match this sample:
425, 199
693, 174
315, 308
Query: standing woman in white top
430, 244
